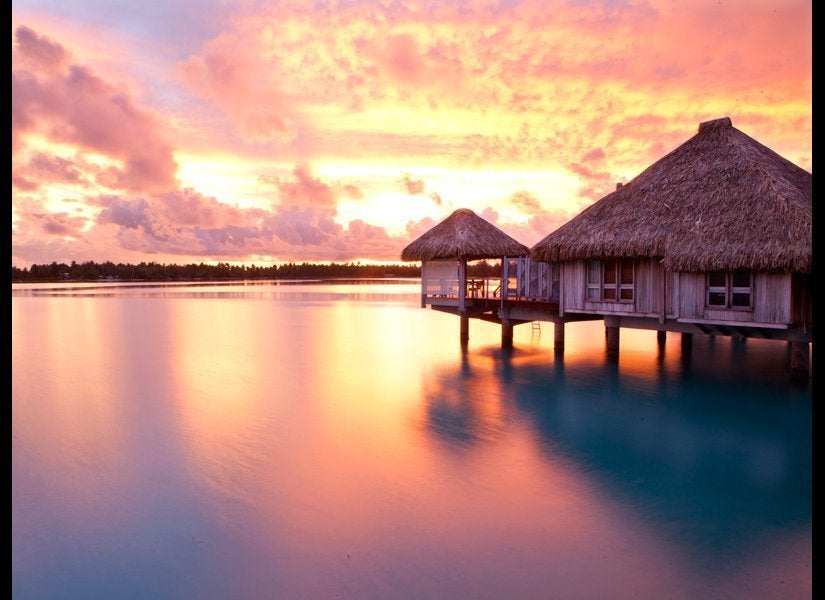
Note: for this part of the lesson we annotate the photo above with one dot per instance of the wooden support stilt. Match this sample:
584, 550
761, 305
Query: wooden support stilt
558, 336
800, 362
465, 326
661, 337
506, 333
687, 342
611, 336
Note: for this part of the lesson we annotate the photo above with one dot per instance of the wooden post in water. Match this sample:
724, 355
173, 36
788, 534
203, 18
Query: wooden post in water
558, 336
611, 331
800, 363
506, 333
661, 339
687, 342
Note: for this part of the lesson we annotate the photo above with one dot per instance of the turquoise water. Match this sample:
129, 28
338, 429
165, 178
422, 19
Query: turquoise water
334, 440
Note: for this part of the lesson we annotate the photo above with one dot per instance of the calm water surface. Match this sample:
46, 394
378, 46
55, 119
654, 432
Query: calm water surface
333, 440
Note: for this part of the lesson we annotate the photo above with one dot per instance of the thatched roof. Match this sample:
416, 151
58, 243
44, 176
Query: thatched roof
463, 235
720, 201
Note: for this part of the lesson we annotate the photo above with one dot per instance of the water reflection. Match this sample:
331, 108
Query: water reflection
342, 442
465, 407
298, 289
715, 465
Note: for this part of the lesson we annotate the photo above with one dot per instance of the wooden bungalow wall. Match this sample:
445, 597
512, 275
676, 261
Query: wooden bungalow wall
684, 296
689, 295
802, 300
648, 299
771, 299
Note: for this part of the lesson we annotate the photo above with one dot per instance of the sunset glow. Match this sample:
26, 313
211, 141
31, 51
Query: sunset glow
276, 131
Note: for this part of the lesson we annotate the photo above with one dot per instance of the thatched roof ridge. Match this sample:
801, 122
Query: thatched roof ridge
719, 201
463, 235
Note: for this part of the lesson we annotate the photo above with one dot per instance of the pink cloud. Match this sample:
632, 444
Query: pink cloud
403, 60
416, 228
525, 201
532, 231
595, 183
303, 189
43, 168
659, 43
148, 225
129, 213
187, 207
19, 182
302, 225
352, 191
411, 185
72, 105
365, 240
230, 71
490, 214
362, 232
598, 90
61, 223
596, 154
38, 52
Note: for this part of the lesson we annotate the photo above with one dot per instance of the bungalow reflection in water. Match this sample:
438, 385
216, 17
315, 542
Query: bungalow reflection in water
713, 238
652, 443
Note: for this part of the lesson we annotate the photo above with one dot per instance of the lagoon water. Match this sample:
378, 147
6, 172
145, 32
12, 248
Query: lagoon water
333, 440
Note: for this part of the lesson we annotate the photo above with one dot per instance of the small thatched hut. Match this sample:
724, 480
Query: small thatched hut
716, 236
444, 252
463, 235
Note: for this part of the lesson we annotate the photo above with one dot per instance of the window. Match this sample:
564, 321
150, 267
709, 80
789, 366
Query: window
594, 280
729, 289
610, 280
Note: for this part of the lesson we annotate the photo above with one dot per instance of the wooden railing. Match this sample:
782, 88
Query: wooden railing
477, 287
485, 287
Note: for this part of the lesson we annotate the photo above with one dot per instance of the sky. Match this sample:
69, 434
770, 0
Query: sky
258, 132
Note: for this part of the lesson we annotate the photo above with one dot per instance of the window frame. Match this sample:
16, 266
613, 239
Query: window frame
606, 280
728, 291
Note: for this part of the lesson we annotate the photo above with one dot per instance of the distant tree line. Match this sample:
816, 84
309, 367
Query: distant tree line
92, 271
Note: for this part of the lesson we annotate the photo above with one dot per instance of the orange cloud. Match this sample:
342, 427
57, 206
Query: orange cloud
526, 202
411, 185
587, 93
481, 84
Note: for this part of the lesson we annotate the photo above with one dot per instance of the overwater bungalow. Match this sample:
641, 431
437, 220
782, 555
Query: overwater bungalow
444, 252
713, 238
